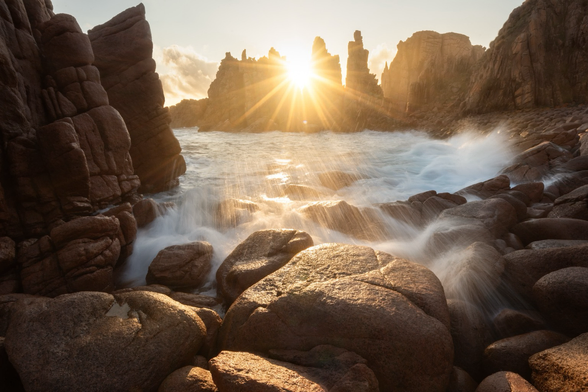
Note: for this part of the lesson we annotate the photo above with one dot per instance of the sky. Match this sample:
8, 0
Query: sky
191, 37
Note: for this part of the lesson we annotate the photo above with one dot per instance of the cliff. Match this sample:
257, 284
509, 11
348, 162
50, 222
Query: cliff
430, 69
188, 113
123, 50
358, 77
539, 59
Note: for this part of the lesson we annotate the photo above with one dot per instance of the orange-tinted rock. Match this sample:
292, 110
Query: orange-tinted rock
179, 266
188, 379
505, 382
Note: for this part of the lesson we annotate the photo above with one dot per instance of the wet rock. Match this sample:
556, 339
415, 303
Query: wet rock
505, 382
470, 274
128, 229
403, 212
568, 183
340, 216
185, 265
323, 368
497, 215
550, 244
551, 229
487, 188
331, 294
96, 341
519, 206
573, 205
433, 206
262, 253
232, 212
577, 164
510, 322
461, 381
512, 354
302, 192
451, 234
336, 180
562, 298
188, 379
470, 336
525, 267
562, 368
536, 162
145, 211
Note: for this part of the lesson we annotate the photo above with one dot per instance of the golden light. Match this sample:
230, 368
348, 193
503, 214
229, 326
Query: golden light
299, 72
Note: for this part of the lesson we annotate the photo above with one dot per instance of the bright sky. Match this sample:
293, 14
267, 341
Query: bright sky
191, 36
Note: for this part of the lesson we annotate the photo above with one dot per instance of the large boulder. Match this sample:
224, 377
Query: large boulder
95, 341
573, 205
497, 215
488, 188
562, 368
512, 354
562, 298
262, 253
510, 322
355, 298
185, 265
536, 162
322, 369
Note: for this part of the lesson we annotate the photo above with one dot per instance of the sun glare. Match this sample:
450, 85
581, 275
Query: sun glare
299, 72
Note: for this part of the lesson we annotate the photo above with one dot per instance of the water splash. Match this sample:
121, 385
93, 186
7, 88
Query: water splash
236, 184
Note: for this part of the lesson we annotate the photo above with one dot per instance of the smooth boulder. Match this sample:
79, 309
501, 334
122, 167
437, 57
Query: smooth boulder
100, 342
185, 265
355, 298
262, 253
505, 382
188, 379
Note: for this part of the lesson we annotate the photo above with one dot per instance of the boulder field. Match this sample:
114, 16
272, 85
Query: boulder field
497, 302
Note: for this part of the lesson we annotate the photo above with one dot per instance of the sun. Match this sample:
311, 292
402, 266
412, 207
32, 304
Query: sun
299, 72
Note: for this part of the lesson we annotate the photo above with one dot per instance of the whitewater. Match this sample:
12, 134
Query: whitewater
255, 168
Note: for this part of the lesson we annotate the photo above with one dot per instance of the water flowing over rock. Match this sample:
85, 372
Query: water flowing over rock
538, 59
96, 341
123, 50
430, 70
358, 299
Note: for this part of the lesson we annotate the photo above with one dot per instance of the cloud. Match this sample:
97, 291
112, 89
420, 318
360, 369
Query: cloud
185, 74
378, 59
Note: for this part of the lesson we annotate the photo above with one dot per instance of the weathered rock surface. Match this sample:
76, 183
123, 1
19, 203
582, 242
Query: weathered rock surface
505, 382
358, 77
536, 162
430, 69
551, 229
322, 369
354, 298
562, 298
95, 341
538, 59
178, 266
79, 255
573, 205
188, 379
123, 54
562, 368
262, 253
510, 322
497, 215
512, 354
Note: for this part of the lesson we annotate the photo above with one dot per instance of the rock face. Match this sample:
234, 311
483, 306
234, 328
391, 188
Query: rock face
262, 253
123, 54
354, 298
188, 113
358, 77
96, 341
430, 70
538, 59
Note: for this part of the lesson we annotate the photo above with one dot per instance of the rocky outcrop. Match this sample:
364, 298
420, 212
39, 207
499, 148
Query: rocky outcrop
430, 70
123, 54
538, 59
188, 113
96, 341
357, 299
358, 79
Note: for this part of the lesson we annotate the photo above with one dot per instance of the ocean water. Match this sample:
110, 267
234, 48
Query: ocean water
257, 169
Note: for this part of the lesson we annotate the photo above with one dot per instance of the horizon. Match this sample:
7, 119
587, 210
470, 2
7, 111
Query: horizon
187, 59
